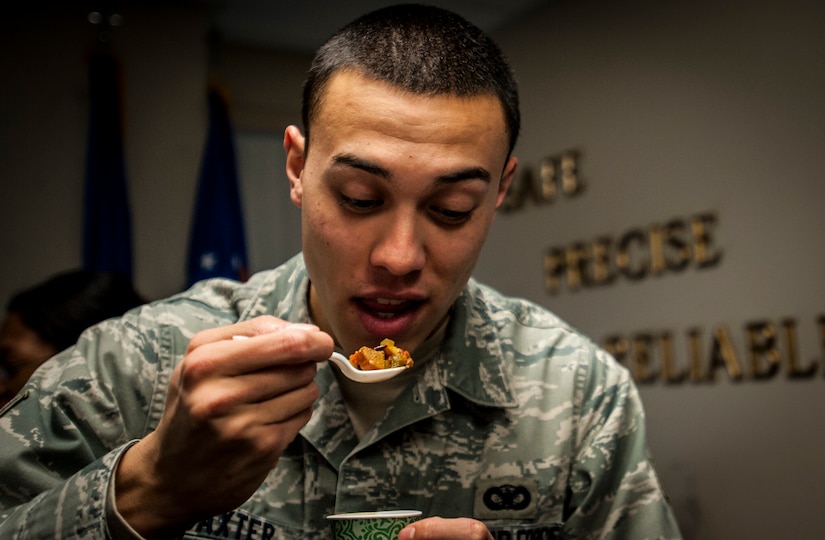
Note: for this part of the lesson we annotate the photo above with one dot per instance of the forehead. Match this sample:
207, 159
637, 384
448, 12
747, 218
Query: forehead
354, 105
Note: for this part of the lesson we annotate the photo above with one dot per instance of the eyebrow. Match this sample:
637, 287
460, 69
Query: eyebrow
355, 162
470, 173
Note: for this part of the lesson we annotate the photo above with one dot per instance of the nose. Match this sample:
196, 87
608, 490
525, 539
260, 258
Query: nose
400, 246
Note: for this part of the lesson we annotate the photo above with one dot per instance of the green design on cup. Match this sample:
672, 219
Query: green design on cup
371, 525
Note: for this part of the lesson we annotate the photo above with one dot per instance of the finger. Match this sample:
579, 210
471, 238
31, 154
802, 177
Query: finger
291, 344
248, 418
265, 324
269, 383
220, 396
287, 406
266, 329
440, 528
265, 429
281, 435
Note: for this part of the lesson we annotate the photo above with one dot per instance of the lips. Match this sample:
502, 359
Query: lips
385, 316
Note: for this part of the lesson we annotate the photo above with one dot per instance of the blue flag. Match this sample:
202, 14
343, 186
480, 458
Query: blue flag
107, 229
217, 244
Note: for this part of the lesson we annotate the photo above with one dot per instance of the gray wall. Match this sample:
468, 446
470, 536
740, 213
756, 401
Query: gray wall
674, 110
679, 109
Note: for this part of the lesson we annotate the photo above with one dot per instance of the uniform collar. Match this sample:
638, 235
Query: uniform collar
472, 362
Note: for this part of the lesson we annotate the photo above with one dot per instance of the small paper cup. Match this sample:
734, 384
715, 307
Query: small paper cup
371, 525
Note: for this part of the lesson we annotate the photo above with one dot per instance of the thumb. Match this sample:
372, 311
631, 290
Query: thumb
434, 528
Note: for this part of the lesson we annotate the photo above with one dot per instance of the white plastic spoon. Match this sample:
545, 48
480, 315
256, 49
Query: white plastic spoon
363, 375
353, 373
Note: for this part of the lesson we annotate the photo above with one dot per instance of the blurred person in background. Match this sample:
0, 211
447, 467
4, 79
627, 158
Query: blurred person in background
44, 319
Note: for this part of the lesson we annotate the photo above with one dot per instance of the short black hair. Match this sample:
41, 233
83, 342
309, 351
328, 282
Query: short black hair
422, 49
60, 308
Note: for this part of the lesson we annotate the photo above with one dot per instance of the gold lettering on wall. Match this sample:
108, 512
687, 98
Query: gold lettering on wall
670, 371
558, 174
656, 250
794, 369
695, 348
723, 355
642, 353
703, 250
634, 254
762, 349
770, 349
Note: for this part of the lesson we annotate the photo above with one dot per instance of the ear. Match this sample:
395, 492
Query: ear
294, 148
506, 179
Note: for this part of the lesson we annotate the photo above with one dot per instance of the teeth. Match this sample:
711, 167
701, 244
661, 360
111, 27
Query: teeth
388, 301
386, 315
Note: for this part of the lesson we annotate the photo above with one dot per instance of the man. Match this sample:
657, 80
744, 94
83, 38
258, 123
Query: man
510, 425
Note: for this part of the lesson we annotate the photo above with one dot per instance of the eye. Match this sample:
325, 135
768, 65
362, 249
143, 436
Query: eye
450, 217
360, 206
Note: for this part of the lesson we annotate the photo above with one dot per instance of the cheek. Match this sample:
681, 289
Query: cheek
317, 224
465, 246
324, 234
331, 248
327, 226
456, 258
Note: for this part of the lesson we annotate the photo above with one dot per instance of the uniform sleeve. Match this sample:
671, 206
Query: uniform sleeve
613, 491
61, 439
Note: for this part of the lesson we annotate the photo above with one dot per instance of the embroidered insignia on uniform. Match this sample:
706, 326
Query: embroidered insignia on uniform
507, 497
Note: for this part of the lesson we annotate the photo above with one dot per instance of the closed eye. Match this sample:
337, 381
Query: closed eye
450, 217
359, 205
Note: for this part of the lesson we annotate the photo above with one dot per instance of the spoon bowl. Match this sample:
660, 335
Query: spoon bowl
360, 375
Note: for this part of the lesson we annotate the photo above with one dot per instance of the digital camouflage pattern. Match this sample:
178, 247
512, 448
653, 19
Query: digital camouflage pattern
518, 421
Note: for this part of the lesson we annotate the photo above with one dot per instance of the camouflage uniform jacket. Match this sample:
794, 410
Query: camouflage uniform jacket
518, 421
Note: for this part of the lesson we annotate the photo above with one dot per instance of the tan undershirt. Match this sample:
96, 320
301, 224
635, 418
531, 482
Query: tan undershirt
367, 403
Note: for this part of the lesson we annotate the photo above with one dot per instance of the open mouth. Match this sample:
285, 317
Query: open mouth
388, 308
384, 316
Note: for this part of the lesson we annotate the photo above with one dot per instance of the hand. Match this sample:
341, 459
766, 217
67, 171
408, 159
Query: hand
435, 528
232, 407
